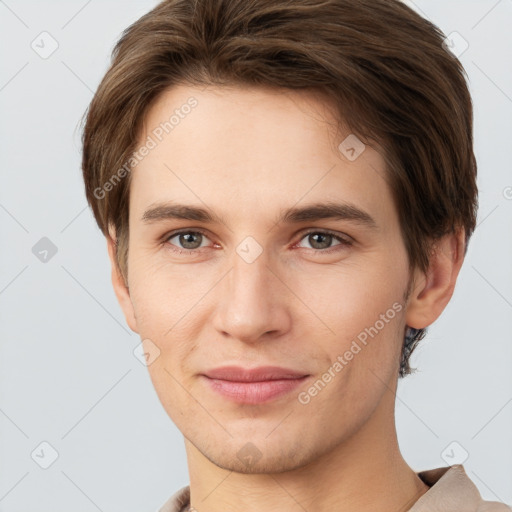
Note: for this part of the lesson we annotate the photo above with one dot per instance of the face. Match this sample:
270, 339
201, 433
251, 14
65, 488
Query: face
269, 279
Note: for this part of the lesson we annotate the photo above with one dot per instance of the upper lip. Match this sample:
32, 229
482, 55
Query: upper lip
261, 373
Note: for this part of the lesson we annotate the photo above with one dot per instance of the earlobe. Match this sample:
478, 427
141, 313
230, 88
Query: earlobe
120, 288
433, 290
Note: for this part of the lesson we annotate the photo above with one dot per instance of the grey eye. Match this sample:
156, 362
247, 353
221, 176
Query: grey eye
320, 240
188, 239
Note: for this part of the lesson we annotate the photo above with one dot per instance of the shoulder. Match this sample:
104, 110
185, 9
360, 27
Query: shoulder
451, 486
179, 501
493, 506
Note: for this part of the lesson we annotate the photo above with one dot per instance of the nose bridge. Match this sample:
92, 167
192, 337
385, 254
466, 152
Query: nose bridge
249, 304
249, 279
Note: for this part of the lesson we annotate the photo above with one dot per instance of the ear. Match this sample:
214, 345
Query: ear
120, 288
432, 290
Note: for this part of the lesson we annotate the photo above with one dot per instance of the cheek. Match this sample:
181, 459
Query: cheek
361, 358
169, 306
164, 295
362, 307
350, 297
166, 307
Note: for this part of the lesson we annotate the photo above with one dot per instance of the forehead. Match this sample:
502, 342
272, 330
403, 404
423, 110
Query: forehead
250, 151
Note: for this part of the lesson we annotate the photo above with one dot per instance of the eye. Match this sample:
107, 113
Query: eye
186, 241
190, 242
321, 241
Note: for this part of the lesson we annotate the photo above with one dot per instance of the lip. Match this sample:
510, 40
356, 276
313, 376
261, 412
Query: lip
258, 374
253, 386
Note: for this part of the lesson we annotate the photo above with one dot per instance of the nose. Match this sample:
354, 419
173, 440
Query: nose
252, 303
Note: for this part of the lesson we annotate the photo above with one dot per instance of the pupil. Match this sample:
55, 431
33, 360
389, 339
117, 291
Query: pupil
321, 236
187, 240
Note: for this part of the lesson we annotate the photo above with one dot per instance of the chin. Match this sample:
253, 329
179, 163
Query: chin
257, 454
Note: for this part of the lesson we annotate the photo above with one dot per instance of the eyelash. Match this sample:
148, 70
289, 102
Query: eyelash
344, 242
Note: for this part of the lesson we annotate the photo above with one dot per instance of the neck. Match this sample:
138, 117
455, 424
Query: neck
364, 472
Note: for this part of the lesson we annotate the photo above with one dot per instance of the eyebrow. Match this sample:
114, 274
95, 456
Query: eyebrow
294, 215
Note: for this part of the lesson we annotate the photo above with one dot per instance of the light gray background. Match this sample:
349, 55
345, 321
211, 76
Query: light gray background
68, 374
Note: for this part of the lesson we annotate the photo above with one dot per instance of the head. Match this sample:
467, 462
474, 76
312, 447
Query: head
263, 115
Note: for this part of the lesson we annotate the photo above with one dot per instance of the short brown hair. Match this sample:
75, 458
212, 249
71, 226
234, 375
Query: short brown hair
384, 67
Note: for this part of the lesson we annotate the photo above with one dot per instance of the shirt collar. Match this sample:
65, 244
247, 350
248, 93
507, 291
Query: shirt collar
450, 489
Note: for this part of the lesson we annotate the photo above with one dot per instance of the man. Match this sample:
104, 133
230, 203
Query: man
287, 190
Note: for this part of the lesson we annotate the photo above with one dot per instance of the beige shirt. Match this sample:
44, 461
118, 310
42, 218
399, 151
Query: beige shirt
451, 490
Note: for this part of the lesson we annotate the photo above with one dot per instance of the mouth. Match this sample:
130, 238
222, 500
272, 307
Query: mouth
253, 386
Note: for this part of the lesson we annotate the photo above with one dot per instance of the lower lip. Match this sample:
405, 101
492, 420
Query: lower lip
254, 392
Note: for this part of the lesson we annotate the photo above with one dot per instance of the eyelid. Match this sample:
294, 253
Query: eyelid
172, 234
339, 236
